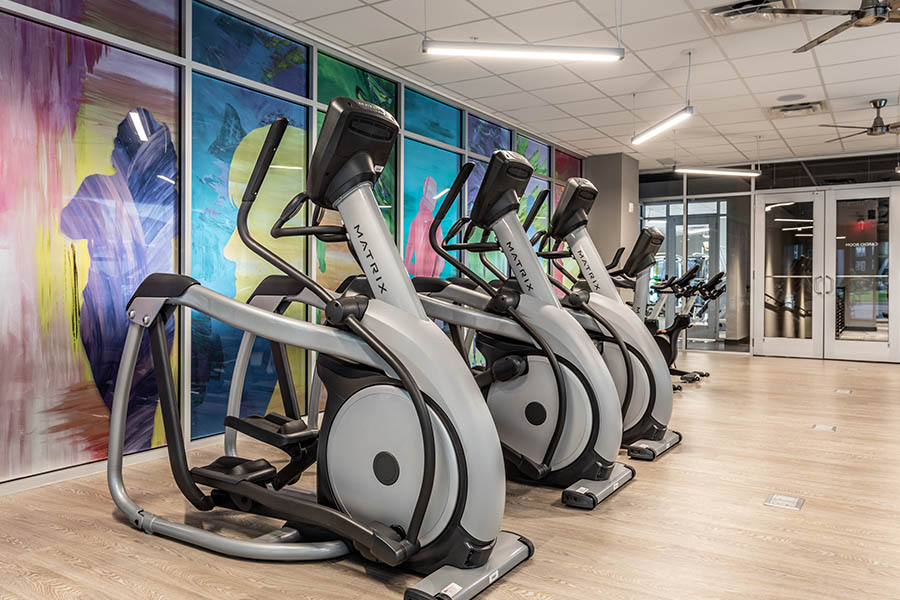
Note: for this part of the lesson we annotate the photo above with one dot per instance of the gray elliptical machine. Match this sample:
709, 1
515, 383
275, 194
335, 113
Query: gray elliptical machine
569, 438
643, 380
410, 470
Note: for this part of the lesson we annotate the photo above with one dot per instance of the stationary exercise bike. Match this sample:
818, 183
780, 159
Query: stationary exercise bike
410, 470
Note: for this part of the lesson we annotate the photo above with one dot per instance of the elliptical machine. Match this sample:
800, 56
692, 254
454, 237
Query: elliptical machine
640, 370
410, 470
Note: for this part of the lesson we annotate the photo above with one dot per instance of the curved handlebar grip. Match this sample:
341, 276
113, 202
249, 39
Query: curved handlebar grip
455, 189
687, 277
266, 154
533, 213
714, 280
616, 258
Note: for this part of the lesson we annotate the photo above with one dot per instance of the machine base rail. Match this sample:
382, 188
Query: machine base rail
451, 583
653, 449
587, 493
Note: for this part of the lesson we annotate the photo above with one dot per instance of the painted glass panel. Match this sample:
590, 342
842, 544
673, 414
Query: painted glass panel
88, 208
486, 137
541, 222
155, 23
432, 118
538, 154
337, 78
231, 44
566, 166
429, 173
229, 125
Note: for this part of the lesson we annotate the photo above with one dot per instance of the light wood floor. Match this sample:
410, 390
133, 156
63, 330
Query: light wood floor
690, 526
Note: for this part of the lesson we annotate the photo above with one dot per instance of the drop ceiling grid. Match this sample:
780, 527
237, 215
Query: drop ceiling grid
582, 25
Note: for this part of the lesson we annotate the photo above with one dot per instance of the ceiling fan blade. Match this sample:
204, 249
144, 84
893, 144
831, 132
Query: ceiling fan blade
826, 36
894, 127
844, 137
845, 126
809, 11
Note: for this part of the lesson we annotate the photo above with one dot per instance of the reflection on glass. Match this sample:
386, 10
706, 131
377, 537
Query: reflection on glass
861, 270
789, 270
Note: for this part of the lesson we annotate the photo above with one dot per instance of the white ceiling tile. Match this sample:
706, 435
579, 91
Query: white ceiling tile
545, 77
776, 62
789, 123
622, 129
309, 10
550, 22
784, 81
483, 86
634, 10
703, 73
858, 102
535, 113
663, 31
645, 82
762, 41
611, 118
585, 135
836, 51
555, 126
590, 107
575, 92
751, 127
401, 51
449, 70
598, 38
443, 13
728, 110
873, 87
593, 71
502, 7
718, 89
652, 98
674, 55
812, 94
865, 69
361, 25
507, 102
487, 30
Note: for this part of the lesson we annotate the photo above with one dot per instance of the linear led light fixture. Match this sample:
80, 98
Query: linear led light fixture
803, 235
797, 228
779, 204
718, 172
794, 220
485, 50
664, 125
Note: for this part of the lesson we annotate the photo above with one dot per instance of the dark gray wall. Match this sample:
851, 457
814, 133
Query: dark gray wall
614, 219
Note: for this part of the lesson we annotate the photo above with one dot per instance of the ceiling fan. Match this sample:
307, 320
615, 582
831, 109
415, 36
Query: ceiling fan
869, 13
878, 127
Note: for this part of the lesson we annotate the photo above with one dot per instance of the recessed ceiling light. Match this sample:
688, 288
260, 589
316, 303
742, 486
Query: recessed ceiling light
791, 97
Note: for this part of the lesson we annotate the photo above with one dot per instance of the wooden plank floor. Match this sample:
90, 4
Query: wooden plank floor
690, 526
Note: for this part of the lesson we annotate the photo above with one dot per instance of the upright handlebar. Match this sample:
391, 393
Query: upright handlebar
533, 213
264, 160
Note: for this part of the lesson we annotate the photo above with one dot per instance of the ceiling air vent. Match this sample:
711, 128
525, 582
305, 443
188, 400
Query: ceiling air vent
800, 109
745, 15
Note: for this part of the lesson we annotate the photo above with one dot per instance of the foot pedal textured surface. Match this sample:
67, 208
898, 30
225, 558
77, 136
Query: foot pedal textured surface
451, 583
653, 449
588, 493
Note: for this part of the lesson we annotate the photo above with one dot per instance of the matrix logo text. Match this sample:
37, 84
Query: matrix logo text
367, 255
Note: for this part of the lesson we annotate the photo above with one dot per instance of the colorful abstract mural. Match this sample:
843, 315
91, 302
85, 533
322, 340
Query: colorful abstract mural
88, 208
229, 125
485, 137
432, 118
570, 264
429, 173
338, 78
231, 44
538, 154
155, 23
565, 165
535, 187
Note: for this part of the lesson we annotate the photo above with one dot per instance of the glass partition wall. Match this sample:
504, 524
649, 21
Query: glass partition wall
717, 240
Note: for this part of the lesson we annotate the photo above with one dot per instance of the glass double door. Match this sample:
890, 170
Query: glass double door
822, 277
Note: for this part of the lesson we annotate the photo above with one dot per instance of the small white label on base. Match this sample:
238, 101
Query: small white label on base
843, 391
452, 590
581, 490
782, 501
493, 577
831, 428
615, 486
